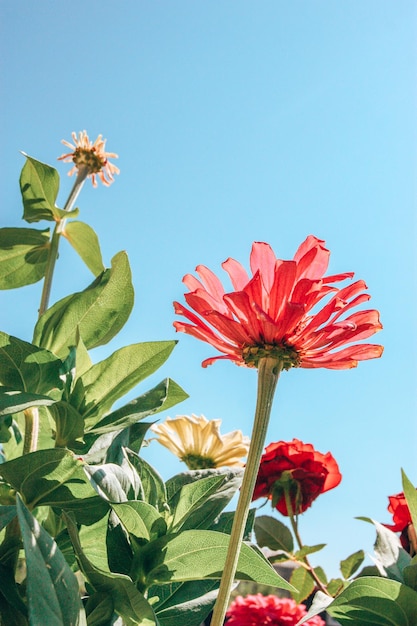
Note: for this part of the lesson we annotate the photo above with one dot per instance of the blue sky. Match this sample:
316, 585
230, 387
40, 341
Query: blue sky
238, 122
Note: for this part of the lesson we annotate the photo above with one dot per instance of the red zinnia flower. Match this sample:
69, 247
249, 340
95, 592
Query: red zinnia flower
297, 468
259, 610
270, 314
403, 523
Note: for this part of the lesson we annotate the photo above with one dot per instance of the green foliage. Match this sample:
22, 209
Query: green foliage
376, 601
98, 313
52, 588
352, 563
273, 534
23, 256
410, 493
85, 242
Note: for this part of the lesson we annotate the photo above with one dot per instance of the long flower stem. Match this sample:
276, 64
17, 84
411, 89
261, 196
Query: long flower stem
30, 442
268, 373
306, 561
54, 243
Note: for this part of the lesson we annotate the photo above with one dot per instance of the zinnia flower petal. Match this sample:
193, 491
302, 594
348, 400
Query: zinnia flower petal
257, 609
197, 441
276, 311
299, 468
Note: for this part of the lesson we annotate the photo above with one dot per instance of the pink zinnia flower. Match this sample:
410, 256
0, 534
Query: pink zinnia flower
259, 610
92, 157
274, 312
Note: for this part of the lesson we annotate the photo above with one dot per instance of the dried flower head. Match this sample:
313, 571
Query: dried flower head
197, 441
276, 311
90, 158
257, 610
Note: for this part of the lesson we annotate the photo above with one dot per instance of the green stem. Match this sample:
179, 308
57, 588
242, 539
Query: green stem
306, 561
268, 373
30, 442
54, 243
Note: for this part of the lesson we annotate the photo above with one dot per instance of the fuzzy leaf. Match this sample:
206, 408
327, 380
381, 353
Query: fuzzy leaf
153, 486
391, 558
197, 554
97, 313
352, 563
186, 603
105, 382
140, 519
128, 602
12, 401
52, 588
273, 534
39, 185
23, 256
85, 242
410, 493
162, 397
26, 367
376, 601
303, 583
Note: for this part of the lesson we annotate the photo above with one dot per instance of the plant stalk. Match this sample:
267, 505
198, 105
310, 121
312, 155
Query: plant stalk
54, 243
269, 370
294, 525
30, 442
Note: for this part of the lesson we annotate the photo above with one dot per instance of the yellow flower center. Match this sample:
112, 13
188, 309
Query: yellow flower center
196, 461
286, 354
88, 158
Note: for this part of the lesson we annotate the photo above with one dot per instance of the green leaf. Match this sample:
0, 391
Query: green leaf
192, 508
336, 585
98, 389
153, 486
273, 534
197, 554
54, 477
23, 256
224, 522
12, 597
303, 583
376, 601
186, 603
128, 602
39, 185
391, 558
162, 397
69, 424
113, 482
410, 574
12, 401
25, 367
352, 563
52, 588
97, 313
7, 513
85, 241
320, 603
193, 497
410, 493
140, 519
306, 550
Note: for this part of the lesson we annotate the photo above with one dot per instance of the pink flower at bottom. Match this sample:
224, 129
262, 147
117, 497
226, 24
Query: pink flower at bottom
260, 610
